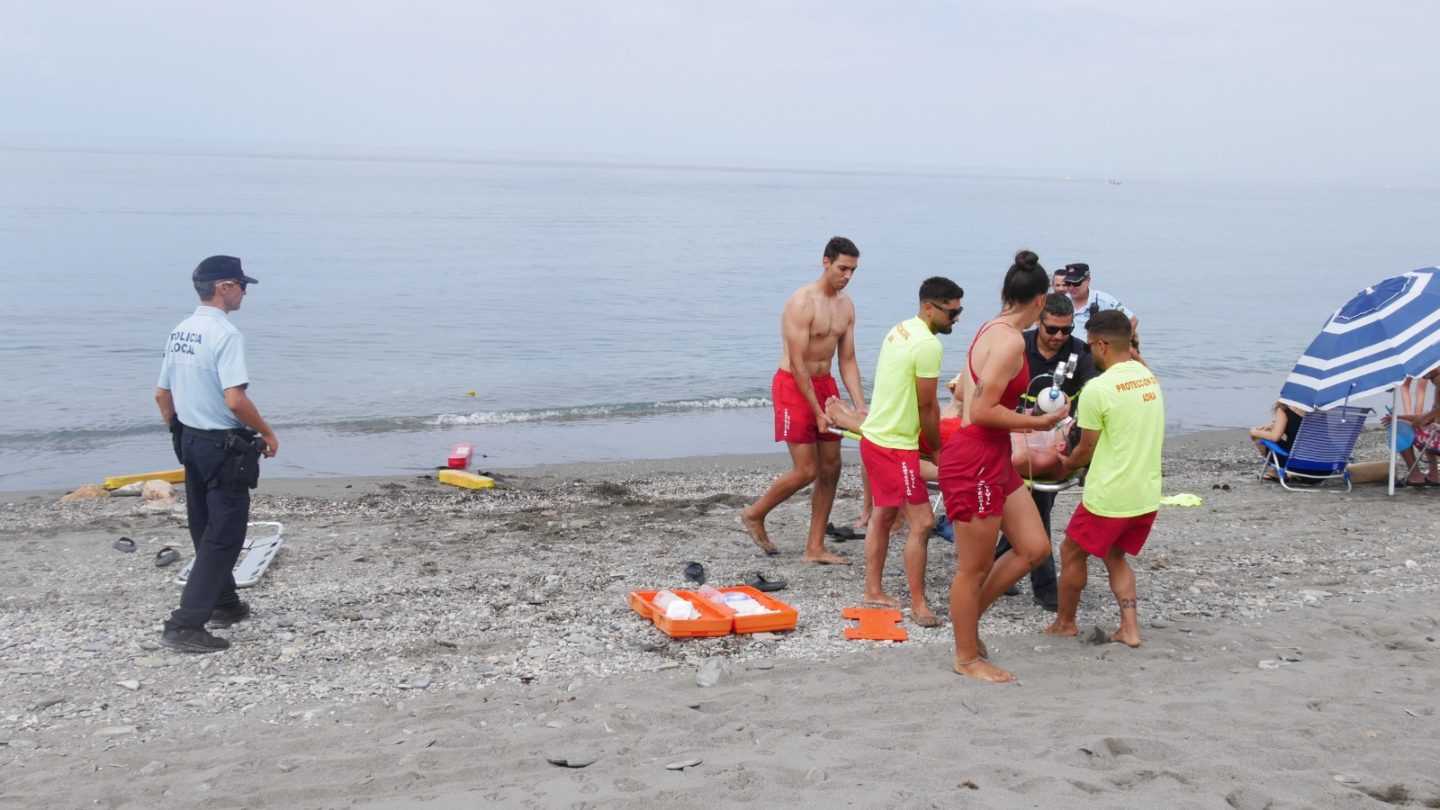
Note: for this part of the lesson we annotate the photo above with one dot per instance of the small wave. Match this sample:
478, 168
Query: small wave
82, 438
594, 411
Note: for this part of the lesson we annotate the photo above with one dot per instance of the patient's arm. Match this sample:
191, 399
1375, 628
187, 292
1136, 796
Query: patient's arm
1038, 458
1083, 451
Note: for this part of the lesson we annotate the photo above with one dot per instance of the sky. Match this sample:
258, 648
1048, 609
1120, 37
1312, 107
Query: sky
1301, 89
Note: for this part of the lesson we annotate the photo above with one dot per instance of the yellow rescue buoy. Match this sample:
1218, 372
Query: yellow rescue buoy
172, 476
466, 480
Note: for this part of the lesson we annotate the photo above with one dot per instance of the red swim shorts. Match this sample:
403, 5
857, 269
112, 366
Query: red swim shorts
1097, 535
794, 421
976, 476
894, 474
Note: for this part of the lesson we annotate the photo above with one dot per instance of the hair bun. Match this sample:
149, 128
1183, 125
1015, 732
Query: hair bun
1027, 259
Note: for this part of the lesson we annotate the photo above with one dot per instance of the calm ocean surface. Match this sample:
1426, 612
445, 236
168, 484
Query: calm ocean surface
602, 311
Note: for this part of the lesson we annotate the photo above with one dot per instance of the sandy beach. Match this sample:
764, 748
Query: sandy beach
415, 645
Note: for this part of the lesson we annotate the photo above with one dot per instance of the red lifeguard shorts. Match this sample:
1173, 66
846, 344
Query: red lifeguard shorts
894, 475
1097, 535
794, 421
976, 476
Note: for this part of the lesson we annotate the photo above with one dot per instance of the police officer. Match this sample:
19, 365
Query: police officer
214, 426
1076, 284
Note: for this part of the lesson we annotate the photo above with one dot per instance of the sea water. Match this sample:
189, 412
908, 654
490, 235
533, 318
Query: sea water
568, 310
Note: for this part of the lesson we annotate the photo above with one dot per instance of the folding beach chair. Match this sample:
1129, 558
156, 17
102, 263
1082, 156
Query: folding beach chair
1321, 450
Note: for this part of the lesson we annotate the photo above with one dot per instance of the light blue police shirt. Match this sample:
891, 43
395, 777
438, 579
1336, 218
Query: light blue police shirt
204, 356
1104, 301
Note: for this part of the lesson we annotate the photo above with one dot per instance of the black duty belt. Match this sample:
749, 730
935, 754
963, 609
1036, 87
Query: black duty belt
216, 435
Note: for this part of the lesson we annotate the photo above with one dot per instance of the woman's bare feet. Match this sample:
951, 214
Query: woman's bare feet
983, 670
1062, 628
1123, 636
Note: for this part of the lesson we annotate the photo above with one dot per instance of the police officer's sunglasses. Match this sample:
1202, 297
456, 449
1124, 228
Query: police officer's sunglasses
1057, 330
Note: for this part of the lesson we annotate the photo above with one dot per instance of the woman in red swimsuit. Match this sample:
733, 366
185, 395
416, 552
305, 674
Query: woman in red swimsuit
983, 493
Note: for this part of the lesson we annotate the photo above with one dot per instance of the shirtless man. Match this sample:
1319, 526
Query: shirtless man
818, 322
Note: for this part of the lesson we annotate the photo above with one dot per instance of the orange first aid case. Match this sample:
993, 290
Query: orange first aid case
785, 619
712, 621
716, 620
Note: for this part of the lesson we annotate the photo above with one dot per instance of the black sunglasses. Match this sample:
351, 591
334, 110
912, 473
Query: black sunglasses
952, 314
1057, 330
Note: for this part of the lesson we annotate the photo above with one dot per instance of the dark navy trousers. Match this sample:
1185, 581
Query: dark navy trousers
218, 516
1042, 577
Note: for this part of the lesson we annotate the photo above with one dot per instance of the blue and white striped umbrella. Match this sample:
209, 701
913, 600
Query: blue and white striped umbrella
1384, 334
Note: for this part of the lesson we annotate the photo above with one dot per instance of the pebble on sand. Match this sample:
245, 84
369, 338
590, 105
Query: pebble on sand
573, 760
115, 731
710, 672
681, 765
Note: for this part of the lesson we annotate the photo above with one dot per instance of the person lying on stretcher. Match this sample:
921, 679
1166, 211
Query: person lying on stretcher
1035, 454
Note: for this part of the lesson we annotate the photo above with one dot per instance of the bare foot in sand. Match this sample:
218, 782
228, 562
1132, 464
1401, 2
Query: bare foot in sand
1121, 636
823, 558
982, 669
1061, 628
881, 600
756, 530
921, 614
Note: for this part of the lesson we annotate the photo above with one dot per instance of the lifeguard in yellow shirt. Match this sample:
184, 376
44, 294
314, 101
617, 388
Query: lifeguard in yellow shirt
1122, 432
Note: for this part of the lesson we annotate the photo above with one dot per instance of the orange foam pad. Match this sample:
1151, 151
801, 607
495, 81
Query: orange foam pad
877, 624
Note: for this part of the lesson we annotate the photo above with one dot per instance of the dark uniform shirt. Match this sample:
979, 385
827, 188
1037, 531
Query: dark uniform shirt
1041, 366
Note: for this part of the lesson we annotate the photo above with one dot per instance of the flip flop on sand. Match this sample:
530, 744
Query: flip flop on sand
124, 544
695, 572
760, 583
841, 533
165, 556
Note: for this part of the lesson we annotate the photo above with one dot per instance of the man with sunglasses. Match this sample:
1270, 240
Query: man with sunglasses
904, 406
202, 398
1047, 347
